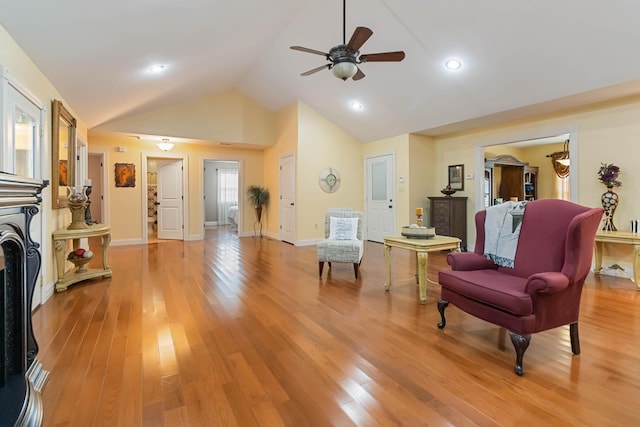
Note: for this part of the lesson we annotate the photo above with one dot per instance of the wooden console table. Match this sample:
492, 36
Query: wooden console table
77, 274
421, 247
621, 237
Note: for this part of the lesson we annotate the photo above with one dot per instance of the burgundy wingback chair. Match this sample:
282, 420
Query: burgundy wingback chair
543, 290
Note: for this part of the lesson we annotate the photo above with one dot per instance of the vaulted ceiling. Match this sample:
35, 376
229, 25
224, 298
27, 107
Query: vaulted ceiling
519, 57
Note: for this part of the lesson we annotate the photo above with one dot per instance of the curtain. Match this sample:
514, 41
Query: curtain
227, 193
561, 170
561, 187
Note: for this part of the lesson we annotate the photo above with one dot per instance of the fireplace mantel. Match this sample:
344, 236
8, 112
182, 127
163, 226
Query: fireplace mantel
22, 377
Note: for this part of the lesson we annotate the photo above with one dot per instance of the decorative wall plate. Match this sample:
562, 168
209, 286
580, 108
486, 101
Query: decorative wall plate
329, 180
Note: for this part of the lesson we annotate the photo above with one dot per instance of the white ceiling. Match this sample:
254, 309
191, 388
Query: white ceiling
521, 57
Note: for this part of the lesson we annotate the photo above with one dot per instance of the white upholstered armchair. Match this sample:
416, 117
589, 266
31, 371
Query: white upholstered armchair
343, 232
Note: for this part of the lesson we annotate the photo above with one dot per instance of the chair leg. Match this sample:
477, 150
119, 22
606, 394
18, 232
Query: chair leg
520, 343
320, 267
356, 269
329, 265
575, 339
442, 304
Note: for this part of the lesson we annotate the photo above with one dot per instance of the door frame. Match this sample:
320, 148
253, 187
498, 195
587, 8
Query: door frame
41, 169
392, 178
104, 205
572, 130
185, 192
218, 158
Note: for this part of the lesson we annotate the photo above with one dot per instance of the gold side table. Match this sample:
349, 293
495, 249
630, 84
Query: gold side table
77, 274
421, 247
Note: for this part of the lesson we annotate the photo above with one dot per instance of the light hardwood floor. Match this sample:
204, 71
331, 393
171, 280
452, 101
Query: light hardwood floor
241, 332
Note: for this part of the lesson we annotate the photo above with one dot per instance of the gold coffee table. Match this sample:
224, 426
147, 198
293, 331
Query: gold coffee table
421, 247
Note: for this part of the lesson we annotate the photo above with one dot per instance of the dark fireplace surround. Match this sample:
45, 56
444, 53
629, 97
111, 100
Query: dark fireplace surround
21, 375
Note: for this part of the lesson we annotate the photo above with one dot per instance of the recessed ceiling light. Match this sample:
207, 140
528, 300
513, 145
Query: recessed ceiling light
156, 68
356, 106
453, 64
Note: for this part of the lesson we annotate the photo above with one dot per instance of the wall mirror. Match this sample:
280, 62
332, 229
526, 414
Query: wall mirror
63, 153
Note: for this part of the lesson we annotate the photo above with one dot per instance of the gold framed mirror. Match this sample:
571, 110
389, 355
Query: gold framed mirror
63, 153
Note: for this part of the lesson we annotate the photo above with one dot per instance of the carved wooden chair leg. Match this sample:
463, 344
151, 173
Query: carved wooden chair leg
520, 343
575, 339
320, 268
442, 304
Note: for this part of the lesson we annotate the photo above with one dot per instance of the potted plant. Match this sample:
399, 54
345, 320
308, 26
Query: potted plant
258, 196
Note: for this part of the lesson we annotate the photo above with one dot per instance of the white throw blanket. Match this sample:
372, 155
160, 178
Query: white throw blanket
501, 232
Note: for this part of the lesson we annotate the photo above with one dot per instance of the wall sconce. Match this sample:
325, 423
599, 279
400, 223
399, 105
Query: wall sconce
165, 145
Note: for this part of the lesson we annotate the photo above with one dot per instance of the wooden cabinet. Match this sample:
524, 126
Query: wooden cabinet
509, 178
449, 217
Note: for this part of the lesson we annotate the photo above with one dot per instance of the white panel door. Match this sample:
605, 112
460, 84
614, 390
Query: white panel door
170, 221
288, 198
380, 197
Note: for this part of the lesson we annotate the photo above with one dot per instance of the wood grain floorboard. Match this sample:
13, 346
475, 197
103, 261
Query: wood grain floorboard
241, 332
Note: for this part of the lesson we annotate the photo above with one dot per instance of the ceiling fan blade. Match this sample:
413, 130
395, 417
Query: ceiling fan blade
383, 57
315, 70
306, 49
358, 75
360, 35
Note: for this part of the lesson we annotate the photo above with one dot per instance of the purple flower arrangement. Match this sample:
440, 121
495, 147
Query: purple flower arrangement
608, 175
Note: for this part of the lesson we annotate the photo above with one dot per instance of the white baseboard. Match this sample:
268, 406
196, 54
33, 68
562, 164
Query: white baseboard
47, 292
308, 242
126, 242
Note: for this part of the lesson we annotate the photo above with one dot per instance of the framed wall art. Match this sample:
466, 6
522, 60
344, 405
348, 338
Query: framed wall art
125, 174
456, 177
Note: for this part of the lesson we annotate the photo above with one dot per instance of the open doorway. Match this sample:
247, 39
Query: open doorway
527, 170
95, 175
221, 194
532, 156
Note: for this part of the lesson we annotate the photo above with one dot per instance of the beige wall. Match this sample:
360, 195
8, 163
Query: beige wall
227, 117
286, 144
322, 144
422, 162
126, 224
604, 133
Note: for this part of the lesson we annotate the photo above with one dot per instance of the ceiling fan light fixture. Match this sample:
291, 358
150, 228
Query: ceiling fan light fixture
344, 70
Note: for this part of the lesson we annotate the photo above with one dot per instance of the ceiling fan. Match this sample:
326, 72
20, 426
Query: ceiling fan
344, 58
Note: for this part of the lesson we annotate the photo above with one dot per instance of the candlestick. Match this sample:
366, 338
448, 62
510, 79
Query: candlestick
419, 215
